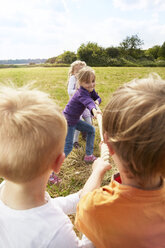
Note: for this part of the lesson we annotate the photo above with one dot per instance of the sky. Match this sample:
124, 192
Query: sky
47, 28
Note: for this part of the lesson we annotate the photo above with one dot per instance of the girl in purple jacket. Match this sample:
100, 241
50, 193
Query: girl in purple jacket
85, 97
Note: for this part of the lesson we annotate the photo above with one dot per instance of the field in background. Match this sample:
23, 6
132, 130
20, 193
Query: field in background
54, 80
74, 171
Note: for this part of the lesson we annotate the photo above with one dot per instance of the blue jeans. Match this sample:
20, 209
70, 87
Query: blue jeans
81, 126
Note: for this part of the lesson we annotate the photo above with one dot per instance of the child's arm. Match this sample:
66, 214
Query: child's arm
96, 97
89, 101
65, 236
94, 181
68, 203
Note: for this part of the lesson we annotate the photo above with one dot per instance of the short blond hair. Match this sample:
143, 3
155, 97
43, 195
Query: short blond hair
134, 121
84, 75
32, 129
75, 63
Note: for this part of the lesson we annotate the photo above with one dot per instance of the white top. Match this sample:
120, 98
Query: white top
47, 226
72, 86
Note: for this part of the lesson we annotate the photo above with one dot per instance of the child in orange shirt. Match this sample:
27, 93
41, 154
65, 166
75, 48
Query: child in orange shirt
130, 211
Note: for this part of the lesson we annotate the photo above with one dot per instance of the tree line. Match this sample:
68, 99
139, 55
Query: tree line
128, 53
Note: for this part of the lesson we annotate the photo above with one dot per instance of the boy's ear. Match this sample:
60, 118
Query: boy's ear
111, 150
58, 162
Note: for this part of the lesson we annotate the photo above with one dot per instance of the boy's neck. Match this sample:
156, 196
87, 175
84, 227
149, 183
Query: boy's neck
128, 178
151, 184
24, 196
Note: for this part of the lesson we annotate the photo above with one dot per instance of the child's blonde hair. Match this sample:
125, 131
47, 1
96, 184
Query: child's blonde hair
75, 63
84, 75
134, 121
32, 133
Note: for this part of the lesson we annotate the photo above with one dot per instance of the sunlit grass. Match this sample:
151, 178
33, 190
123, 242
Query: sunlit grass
74, 172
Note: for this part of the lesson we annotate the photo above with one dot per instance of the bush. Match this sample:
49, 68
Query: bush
55, 65
148, 63
161, 59
129, 63
160, 63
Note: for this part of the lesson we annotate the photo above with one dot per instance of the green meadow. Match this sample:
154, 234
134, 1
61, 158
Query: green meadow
74, 171
54, 80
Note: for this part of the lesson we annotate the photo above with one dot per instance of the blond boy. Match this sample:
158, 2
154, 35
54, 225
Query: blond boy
32, 136
130, 211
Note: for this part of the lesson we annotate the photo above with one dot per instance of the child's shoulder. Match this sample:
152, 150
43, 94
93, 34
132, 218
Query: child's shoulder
72, 77
83, 92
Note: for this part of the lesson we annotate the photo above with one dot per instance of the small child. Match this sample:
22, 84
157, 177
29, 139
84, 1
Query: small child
130, 211
72, 82
85, 97
72, 87
32, 134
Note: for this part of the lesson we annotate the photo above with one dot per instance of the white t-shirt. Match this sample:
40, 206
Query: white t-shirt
47, 226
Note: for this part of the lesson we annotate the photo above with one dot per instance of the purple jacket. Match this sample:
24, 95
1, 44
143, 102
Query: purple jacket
81, 99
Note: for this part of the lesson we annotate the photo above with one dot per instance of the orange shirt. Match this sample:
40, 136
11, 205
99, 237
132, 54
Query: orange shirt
123, 216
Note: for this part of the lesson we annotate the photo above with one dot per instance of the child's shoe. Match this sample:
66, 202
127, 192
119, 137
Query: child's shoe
53, 179
89, 158
76, 145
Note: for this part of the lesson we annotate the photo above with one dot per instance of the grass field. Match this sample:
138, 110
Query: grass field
74, 171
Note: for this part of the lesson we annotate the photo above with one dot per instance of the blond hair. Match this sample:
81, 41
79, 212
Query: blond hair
32, 129
84, 75
75, 63
134, 121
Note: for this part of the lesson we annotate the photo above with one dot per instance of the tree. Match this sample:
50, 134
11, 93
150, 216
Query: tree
161, 52
51, 60
112, 52
91, 53
131, 45
67, 57
153, 51
133, 42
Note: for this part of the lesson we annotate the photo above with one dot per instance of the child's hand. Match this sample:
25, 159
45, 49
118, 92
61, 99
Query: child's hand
100, 144
97, 102
95, 113
94, 181
100, 166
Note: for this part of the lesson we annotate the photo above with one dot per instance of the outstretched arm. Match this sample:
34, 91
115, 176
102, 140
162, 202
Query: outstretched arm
94, 181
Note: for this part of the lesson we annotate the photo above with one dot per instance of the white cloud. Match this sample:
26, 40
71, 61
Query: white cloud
160, 5
126, 5
35, 23
65, 6
28, 28
114, 30
45, 28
